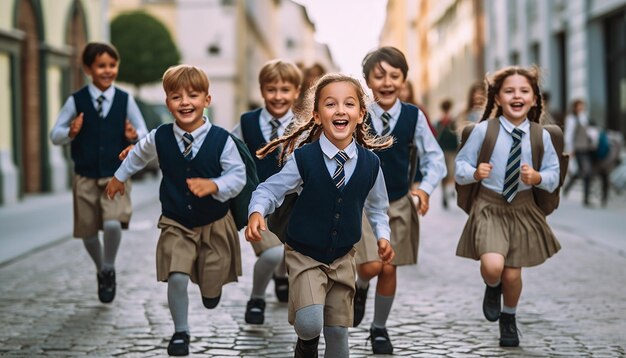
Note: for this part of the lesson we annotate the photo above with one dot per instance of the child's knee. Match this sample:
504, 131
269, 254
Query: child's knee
369, 270
309, 322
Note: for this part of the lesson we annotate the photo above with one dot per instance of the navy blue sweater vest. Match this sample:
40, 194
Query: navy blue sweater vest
253, 138
394, 161
96, 148
177, 202
326, 222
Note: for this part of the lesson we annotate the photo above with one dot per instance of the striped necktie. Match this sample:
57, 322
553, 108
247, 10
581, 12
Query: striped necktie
511, 178
99, 107
339, 177
188, 139
386, 118
275, 123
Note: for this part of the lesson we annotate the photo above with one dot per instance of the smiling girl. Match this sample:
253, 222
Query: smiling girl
506, 230
339, 178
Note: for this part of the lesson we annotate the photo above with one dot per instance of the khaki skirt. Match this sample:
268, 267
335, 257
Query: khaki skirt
209, 254
405, 235
518, 231
277, 222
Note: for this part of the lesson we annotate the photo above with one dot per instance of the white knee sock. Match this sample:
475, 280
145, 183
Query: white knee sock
112, 238
94, 249
178, 300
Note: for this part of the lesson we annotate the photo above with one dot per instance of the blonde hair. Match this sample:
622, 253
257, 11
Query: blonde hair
277, 70
185, 76
304, 129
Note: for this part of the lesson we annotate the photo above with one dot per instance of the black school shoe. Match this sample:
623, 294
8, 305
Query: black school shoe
491, 302
381, 344
360, 297
306, 349
106, 286
255, 311
508, 331
179, 344
211, 303
281, 288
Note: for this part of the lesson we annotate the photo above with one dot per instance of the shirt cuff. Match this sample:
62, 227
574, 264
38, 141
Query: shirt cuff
427, 187
258, 208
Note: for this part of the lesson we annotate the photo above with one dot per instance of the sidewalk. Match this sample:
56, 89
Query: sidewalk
40, 221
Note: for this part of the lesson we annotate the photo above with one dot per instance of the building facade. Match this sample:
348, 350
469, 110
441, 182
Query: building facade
579, 44
40, 44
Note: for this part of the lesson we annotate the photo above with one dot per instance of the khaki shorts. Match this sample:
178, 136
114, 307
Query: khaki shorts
92, 206
405, 238
209, 254
269, 240
314, 283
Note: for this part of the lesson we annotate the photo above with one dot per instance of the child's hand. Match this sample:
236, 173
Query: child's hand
123, 154
113, 187
130, 132
385, 251
530, 176
201, 187
423, 202
75, 125
483, 171
255, 223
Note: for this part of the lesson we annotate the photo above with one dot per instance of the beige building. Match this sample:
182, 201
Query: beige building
444, 44
40, 43
231, 40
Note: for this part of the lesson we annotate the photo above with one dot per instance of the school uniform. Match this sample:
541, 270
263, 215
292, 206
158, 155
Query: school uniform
95, 151
518, 230
325, 223
255, 130
198, 235
409, 126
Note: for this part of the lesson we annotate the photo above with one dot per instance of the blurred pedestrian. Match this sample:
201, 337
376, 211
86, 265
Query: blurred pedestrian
506, 230
475, 102
99, 121
579, 143
551, 116
280, 86
340, 178
202, 170
447, 139
385, 70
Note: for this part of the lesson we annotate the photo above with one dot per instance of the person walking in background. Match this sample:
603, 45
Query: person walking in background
506, 230
99, 121
202, 170
385, 70
340, 178
475, 103
551, 116
280, 86
579, 145
447, 139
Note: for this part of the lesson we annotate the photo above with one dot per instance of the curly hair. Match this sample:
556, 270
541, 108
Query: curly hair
304, 130
495, 84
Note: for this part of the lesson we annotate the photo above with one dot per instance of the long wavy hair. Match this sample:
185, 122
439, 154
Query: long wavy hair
304, 130
494, 84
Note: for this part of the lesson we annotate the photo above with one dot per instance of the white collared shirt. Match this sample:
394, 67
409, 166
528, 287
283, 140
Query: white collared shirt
467, 157
229, 183
270, 194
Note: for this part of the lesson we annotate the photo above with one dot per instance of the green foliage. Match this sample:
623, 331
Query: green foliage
145, 46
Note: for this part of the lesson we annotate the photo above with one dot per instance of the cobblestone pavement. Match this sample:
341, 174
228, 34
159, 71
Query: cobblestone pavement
574, 305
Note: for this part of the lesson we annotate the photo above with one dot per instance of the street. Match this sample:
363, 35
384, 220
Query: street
574, 305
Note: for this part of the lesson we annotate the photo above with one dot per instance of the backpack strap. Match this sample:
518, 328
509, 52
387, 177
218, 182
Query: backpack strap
536, 144
493, 127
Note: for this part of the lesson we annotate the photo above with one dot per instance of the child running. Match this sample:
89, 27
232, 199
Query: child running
280, 87
99, 121
339, 178
202, 170
506, 230
385, 71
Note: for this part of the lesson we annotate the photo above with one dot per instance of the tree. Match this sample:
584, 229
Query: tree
145, 46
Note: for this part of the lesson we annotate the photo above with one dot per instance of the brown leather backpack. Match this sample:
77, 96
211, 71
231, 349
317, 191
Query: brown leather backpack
546, 201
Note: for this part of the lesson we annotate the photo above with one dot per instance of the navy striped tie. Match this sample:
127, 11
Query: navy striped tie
511, 177
99, 107
188, 139
386, 118
339, 177
275, 123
